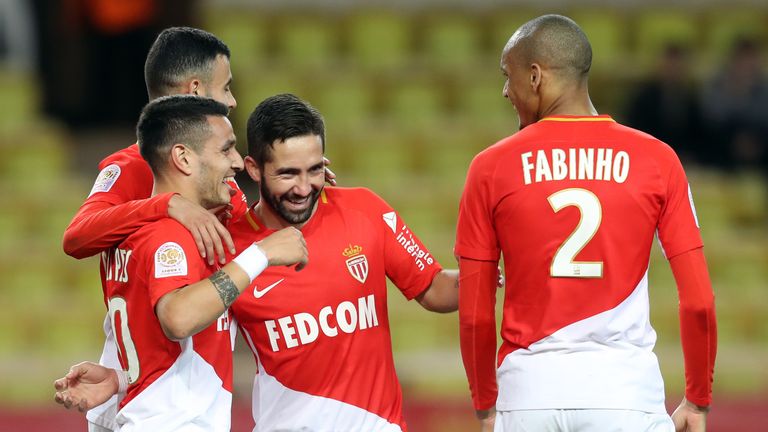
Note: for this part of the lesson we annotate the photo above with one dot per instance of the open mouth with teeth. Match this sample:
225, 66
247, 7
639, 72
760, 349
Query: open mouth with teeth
297, 203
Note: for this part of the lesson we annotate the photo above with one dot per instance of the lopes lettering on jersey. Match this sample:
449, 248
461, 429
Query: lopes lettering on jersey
331, 317
115, 264
106, 179
575, 220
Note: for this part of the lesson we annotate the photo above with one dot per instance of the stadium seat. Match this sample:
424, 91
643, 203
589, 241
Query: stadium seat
344, 99
378, 40
246, 34
607, 32
306, 41
414, 103
451, 40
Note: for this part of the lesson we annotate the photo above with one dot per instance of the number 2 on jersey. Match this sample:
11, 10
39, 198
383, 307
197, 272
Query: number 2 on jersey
591, 212
126, 350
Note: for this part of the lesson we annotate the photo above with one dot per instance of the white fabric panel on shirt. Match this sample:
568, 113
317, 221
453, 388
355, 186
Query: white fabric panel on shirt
278, 408
604, 361
188, 397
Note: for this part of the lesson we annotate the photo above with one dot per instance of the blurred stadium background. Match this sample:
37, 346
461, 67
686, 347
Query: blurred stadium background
410, 90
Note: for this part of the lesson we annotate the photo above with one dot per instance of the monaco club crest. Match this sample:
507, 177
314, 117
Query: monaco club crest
357, 263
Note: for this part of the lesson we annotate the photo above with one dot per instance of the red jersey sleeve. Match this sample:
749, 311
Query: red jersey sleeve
117, 206
475, 234
678, 227
698, 326
477, 329
172, 261
408, 264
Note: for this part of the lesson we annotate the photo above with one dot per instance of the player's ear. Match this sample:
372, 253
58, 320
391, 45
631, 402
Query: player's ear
181, 158
535, 77
195, 87
252, 167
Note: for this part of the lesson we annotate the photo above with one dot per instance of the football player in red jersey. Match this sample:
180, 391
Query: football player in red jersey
320, 337
573, 201
182, 60
168, 307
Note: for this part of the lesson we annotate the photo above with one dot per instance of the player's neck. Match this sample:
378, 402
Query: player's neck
573, 101
164, 185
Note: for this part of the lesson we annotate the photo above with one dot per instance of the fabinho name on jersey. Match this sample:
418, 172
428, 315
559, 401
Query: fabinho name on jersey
304, 328
575, 164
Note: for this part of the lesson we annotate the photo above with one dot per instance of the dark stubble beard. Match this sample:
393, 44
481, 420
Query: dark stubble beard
277, 204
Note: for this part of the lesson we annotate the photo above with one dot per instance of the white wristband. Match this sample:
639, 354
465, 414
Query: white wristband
252, 260
122, 380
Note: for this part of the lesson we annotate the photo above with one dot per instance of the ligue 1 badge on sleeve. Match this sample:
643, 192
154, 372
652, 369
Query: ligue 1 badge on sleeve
357, 263
170, 261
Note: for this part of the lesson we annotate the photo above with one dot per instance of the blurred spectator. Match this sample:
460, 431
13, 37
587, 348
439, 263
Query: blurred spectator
736, 108
91, 55
667, 105
16, 41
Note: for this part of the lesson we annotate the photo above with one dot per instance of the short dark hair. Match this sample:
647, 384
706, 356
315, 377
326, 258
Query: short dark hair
281, 117
178, 54
558, 42
174, 119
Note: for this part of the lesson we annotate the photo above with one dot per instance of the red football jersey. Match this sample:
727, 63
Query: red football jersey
171, 383
573, 204
119, 204
321, 335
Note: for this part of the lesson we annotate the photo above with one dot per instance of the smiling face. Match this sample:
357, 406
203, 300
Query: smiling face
219, 160
291, 181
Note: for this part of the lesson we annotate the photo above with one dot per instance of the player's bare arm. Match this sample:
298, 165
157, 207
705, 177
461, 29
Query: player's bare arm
188, 310
443, 293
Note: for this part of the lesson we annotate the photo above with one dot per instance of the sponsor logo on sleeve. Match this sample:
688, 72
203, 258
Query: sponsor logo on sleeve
357, 263
421, 257
106, 179
170, 261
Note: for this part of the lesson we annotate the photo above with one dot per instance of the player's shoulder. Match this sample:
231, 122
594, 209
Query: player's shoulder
128, 156
163, 231
647, 143
352, 198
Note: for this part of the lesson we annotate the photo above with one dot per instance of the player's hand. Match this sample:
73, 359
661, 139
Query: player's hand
286, 247
330, 176
209, 233
85, 386
689, 417
487, 419
499, 278
223, 213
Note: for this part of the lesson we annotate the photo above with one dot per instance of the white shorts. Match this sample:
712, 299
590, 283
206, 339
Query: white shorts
586, 420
